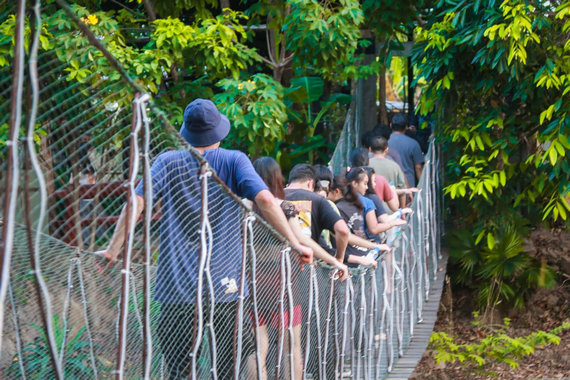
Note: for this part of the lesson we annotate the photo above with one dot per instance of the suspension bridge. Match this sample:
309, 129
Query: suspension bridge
74, 153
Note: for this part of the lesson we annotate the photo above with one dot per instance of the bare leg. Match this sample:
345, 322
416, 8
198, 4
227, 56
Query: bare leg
297, 354
263, 349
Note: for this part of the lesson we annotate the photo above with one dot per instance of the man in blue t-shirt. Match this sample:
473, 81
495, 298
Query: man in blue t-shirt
408, 148
176, 184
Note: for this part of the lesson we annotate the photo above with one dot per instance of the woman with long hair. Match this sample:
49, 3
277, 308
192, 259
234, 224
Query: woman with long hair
391, 220
359, 213
269, 170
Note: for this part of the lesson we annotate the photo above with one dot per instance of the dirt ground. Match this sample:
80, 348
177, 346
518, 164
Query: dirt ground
545, 310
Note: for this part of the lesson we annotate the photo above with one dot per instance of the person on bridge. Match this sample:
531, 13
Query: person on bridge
315, 212
360, 215
176, 184
388, 168
386, 192
269, 279
408, 148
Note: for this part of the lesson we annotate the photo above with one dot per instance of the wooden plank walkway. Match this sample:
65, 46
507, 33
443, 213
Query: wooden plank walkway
404, 366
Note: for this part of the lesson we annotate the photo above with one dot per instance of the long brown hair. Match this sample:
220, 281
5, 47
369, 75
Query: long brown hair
356, 174
270, 172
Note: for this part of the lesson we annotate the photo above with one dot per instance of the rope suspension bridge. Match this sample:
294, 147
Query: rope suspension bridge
74, 154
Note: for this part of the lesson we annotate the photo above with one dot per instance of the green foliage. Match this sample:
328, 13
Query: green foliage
37, 357
496, 347
323, 35
256, 110
496, 264
497, 83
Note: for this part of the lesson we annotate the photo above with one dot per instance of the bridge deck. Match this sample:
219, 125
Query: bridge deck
405, 366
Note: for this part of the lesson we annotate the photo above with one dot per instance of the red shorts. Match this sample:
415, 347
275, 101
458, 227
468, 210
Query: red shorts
264, 317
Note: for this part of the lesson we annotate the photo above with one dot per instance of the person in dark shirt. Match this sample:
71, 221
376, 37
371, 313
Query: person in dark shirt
359, 213
408, 148
269, 170
315, 213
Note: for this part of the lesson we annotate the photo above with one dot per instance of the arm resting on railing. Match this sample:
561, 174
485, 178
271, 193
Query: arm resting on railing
116, 242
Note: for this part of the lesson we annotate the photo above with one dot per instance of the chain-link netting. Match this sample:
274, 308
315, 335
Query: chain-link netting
221, 295
350, 135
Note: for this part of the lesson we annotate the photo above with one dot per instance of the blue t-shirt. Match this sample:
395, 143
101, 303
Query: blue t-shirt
379, 211
368, 206
176, 184
410, 153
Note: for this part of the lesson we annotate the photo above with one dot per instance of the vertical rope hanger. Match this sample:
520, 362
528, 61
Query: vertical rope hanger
308, 322
138, 104
147, 189
206, 242
254, 297
13, 174
241, 298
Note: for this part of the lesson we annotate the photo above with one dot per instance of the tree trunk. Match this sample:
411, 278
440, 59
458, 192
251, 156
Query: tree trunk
382, 114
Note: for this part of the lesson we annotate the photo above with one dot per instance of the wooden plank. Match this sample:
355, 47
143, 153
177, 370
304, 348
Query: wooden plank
405, 366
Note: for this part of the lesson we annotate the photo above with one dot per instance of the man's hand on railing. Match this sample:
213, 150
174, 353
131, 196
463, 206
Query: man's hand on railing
105, 259
305, 256
369, 261
342, 271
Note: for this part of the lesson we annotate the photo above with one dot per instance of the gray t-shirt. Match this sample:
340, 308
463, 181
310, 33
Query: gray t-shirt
410, 153
389, 170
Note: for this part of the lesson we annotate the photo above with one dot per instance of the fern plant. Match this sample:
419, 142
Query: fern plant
496, 347
502, 272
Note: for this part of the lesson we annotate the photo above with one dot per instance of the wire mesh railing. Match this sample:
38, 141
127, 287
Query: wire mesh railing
222, 297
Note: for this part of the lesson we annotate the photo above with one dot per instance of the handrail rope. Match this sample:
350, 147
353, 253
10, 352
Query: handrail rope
370, 339
328, 320
361, 319
239, 325
344, 325
387, 310
318, 326
287, 255
430, 224
87, 324
421, 246
254, 296
205, 249
336, 335
400, 302
43, 292
147, 192
21, 357
352, 329
66, 303
308, 322
211, 299
131, 211
281, 317
417, 275
407, 248
13, 172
